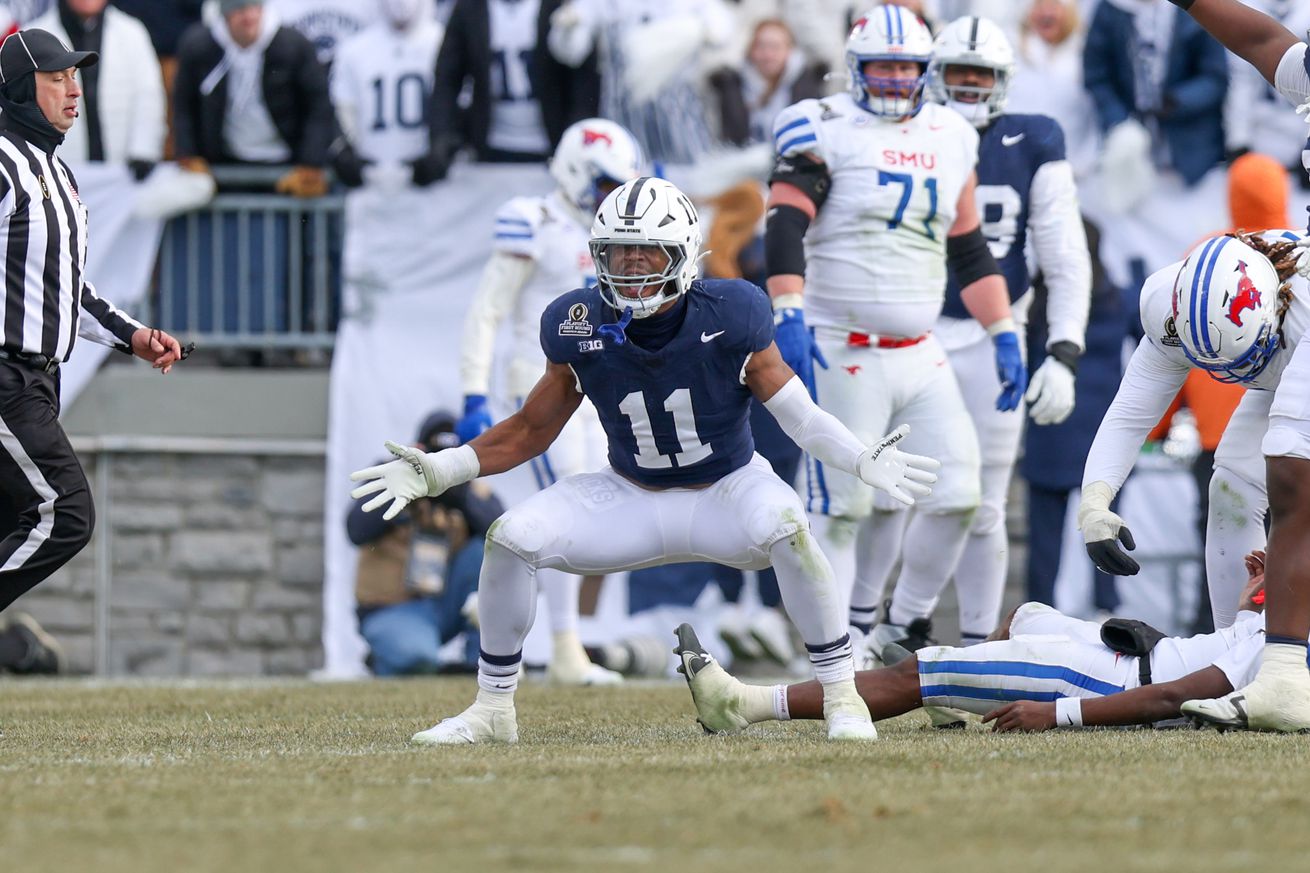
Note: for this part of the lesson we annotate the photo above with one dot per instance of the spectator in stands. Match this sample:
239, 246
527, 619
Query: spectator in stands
250, 91
522, 97
1053, 458
381, 83
775, 75
1048, 78
649, 72
1255, 115
166, 22
326, 23
122, 102
1149, 67
417, 572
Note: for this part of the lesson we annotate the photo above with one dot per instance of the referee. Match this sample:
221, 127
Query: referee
46, 514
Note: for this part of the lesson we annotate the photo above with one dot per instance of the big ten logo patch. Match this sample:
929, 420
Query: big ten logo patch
591, 345
577, 324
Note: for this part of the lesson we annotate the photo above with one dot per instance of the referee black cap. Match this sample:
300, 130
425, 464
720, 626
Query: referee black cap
34, 50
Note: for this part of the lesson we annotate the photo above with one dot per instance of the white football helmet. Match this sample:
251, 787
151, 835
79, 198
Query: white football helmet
650, 214
888, 33
1225, 309
594, 155
972, 42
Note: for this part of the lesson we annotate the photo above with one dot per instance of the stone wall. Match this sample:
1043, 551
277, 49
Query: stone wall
215, 567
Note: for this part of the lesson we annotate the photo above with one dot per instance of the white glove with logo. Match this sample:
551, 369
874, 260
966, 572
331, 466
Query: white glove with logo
412, 475
1051, 392
1103, 531
902, 475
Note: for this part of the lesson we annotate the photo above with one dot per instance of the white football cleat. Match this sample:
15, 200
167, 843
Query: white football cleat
718, 696
479, 723
1278, 699
569, 665
847, 716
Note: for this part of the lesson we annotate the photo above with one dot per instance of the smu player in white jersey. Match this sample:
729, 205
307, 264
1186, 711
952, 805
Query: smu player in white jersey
873, 194
1256, 302
1039, 670
381, 81
671, 364
1026, 197
1279, 698
541, 246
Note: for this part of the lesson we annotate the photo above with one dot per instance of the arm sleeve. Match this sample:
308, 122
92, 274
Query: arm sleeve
815, 431
1148, 387
1292, 79
115, 321
149, 125
1060, 242
498, 291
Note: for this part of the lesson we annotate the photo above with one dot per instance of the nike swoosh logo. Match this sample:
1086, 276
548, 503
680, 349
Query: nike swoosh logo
1011, 140
706, 337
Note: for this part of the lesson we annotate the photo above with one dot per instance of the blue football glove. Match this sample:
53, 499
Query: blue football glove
1010, 370
476, 418
797, 346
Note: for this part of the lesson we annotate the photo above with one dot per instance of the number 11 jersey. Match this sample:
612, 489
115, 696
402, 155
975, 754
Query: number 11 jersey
678, 416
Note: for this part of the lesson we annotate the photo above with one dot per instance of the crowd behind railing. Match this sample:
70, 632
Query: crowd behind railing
309, 99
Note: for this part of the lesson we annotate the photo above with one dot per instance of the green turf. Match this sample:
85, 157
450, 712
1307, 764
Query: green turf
291, 776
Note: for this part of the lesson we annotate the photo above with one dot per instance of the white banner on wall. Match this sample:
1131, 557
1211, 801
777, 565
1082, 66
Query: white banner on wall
120, 257
412, 261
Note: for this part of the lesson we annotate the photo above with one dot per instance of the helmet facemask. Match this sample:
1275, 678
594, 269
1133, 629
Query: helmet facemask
886, 96
980, 105
622, 276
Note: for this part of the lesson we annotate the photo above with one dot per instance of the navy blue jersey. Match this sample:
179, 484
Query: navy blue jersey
678, 416
1010, 153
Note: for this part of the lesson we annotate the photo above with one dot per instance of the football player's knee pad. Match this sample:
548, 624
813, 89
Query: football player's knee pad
524, 532
1234, 491
768, 524
988, 518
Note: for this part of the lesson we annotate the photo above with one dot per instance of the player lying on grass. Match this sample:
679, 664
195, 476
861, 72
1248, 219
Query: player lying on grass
670, 363
1041, 669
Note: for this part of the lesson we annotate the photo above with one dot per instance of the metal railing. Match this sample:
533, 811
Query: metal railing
253, 269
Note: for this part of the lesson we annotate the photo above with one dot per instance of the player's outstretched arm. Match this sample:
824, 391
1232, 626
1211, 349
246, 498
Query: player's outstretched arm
1145, 705
524, 435
797, 189
983, 293
1248, 33
902, 475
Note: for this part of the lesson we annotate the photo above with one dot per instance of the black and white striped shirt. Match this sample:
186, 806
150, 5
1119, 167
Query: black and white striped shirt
43, 251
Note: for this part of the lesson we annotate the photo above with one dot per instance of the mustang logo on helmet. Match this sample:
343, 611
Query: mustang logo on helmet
591, 136
1248, 296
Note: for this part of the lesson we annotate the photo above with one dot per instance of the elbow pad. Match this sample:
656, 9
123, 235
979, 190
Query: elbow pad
969, 258
784, 241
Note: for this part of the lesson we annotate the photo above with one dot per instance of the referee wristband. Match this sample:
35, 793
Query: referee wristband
1068, 712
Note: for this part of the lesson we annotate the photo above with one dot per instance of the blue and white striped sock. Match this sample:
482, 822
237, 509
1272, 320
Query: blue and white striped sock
499, 674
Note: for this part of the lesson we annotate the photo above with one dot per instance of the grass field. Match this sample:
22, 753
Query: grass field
294, 776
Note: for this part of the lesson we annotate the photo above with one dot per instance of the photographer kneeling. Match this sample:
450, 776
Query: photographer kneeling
417, 572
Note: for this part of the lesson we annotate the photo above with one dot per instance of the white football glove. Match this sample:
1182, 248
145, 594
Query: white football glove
1104, 531
1051, 392
1303, 257
902, 475
412, 475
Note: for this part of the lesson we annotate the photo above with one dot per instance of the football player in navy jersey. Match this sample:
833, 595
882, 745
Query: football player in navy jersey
1025, 194
670, 364
1279, 697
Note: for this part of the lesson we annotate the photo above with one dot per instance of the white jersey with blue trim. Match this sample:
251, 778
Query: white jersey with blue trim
876, 251
380, 84
1156, 307
548, 232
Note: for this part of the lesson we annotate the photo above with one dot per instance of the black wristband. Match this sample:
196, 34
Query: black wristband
784, 241
1066, 353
